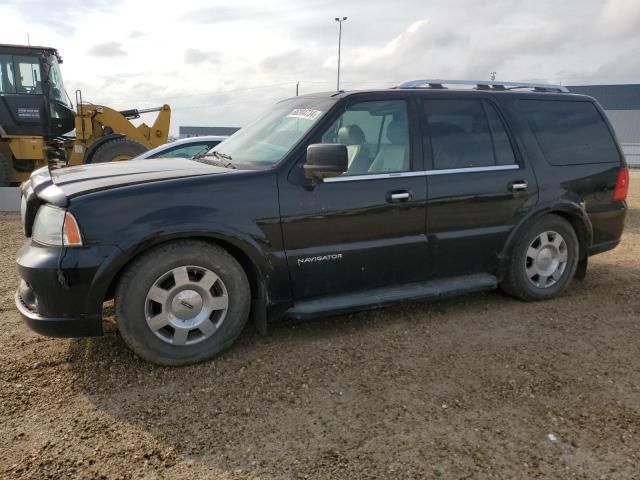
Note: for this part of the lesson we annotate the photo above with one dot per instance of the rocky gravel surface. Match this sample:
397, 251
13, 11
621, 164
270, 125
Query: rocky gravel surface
481, 386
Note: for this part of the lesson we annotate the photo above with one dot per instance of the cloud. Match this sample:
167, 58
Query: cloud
617, 70
240, 57
193, 56
220, 14
293, 62
62, 16
620, 17
107, 50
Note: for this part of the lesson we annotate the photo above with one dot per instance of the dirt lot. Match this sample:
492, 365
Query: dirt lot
481, 386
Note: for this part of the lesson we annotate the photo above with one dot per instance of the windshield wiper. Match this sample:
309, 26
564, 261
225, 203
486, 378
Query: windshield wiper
212, 153
219, 158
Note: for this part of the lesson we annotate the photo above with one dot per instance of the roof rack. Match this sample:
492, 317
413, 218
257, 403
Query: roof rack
484, 85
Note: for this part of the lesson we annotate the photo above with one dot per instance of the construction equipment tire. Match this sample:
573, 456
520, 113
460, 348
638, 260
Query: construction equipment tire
116, 150
6, 173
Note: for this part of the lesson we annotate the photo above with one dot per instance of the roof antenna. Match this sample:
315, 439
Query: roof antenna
28, 39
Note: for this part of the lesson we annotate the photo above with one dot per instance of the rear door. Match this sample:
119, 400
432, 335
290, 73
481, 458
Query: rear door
478, 182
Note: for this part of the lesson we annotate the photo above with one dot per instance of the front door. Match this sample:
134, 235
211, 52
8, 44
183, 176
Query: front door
366, 228
479, 185
22, 107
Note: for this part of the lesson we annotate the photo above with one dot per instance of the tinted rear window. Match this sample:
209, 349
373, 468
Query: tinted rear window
570, 133
467, 134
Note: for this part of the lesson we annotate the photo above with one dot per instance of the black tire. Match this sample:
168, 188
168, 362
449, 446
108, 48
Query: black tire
516, 281
115, 148
6, 172
132, 305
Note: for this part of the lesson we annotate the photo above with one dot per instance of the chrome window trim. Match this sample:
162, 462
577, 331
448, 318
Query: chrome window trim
422, 173
492, 168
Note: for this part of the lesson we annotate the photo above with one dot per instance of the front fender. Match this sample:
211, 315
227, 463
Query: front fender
238, 211
270, 266
265, 263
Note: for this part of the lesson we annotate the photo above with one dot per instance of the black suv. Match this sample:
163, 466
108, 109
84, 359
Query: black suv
329, 203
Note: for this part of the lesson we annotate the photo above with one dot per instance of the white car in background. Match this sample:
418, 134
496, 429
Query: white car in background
183, 148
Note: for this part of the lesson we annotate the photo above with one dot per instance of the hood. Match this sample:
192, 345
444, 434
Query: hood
74, 181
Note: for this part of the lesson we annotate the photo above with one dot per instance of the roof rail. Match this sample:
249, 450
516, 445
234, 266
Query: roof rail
484, 85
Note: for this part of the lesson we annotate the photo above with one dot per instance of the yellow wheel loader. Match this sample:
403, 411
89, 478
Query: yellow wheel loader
36, 118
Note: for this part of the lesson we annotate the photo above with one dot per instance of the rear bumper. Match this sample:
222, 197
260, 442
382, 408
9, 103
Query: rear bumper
603, 247
608, 225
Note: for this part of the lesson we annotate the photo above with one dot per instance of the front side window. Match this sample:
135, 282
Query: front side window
20, 74
28, 78
467, 134
267, 140
376, 135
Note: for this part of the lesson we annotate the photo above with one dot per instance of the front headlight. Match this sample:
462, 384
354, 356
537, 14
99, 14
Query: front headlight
57, 227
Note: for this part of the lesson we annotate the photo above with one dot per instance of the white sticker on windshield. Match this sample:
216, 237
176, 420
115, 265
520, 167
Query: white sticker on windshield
307, 113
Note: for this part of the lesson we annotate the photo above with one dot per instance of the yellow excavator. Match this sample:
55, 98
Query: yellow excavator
36, 119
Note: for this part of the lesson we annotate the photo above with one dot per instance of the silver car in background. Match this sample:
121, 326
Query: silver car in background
183, 148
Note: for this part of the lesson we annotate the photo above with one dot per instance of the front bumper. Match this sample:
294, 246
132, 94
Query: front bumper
69, 308
86, 326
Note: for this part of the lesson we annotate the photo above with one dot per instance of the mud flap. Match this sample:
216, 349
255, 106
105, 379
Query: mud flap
259, 311
581, 271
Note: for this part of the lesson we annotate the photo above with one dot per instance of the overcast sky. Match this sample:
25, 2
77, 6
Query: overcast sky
223, 63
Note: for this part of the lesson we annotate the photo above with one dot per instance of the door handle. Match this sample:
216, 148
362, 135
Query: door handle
399, 196
519, 186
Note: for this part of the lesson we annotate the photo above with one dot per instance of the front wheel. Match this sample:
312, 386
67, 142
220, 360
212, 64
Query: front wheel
182, 303
544, 260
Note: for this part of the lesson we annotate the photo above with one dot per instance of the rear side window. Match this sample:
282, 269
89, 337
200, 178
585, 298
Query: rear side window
570, 133
467, 134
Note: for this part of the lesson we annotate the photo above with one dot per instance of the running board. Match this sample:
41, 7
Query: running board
344, 303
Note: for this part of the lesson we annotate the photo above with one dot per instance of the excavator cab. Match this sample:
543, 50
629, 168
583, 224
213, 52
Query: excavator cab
33, 101
37, 118
34, 110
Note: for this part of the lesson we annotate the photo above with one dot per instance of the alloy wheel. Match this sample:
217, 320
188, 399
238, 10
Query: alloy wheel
546, 259
186, 305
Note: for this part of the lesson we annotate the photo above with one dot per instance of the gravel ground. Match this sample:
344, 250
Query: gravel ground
481, 386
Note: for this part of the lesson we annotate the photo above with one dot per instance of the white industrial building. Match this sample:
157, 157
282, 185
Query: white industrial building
622, 104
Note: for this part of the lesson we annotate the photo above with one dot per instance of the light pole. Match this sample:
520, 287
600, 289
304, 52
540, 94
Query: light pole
339, 20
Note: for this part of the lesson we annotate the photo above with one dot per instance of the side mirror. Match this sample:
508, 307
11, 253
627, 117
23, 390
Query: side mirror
325, 160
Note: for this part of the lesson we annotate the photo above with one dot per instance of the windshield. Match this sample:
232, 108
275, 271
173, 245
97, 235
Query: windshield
267, 140
58, 93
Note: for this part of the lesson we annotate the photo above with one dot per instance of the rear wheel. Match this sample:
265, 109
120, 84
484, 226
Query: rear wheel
544, 260
183, 302
116, 150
